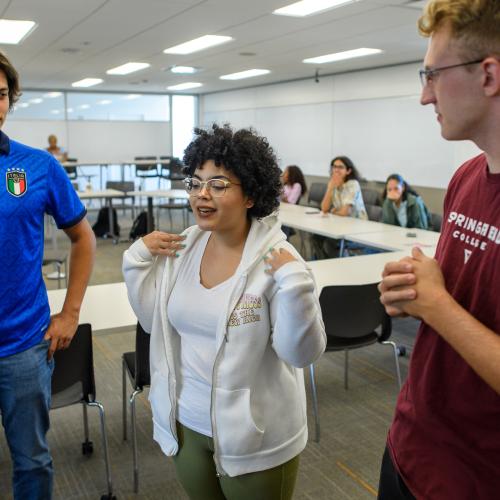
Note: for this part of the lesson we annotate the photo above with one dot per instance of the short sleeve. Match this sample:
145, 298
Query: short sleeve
350, 192
63, 202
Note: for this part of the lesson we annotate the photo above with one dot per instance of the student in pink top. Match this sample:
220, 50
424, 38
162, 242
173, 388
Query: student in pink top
294, 185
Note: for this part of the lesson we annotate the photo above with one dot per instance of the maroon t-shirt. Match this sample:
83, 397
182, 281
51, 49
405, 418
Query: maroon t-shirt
445, 437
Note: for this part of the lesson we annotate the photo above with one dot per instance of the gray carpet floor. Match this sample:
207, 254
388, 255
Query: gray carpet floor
345, 463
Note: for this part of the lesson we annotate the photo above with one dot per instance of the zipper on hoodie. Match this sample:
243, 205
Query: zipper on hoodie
218, 467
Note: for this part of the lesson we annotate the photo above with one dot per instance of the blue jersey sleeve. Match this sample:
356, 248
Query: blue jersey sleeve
63, 202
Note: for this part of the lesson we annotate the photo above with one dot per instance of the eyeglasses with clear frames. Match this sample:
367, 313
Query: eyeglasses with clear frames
429, 75
216, 187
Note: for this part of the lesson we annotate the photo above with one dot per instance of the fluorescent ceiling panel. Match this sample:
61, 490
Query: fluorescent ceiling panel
310, 7
13, 32
201, 43
185, 86
87, 82
342, 56
183, 70
126, 69
249, 73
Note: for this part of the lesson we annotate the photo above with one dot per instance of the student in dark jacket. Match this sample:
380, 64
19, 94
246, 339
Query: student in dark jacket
402, 206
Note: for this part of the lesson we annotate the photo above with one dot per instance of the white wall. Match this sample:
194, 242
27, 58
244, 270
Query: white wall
95, 141
372, 116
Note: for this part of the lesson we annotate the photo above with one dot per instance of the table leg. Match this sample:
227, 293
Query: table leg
110, 221
150, 214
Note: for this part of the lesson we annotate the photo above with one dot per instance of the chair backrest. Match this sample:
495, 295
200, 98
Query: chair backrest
374, 212
353, 311
436, 222
142, 375
175, 167
371, 196
316, 193
124, 186
73, 377
150, 169
71, 171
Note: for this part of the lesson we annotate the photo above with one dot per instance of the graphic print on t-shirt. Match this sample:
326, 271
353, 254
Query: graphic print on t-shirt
246, 310
16, 182
473, 232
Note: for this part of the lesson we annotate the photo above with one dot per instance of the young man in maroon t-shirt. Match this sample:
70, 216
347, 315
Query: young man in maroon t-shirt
444, 442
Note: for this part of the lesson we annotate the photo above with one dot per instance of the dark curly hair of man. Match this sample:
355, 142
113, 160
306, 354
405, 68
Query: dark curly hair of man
244, 153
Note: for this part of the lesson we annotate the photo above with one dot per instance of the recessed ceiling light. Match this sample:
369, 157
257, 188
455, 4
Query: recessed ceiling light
13, 32
131, 97
309, 7
185, 86
249, 73
52, 95
87, 82
201, 43
183, 70
128, 68
23, 105
341, 56
55, 111
84, 106
37, 100
104, 102
70, 110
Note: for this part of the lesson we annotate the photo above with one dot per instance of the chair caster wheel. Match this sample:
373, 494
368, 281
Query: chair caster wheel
87, 448
109, 496
401, 350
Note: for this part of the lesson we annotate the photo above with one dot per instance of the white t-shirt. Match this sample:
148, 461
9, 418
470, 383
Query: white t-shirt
193, 311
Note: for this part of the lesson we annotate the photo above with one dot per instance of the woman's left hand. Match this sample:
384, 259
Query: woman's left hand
277, 258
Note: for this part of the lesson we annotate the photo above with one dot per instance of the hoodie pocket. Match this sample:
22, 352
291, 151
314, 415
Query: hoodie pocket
237, 432
160, 401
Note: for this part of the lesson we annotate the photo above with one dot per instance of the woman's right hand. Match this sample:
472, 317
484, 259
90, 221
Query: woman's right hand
160, 243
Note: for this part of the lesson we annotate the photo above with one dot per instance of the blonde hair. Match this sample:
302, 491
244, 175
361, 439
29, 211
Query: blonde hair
475, 24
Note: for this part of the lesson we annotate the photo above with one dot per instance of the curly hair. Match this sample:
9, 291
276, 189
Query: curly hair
475, 24
244, 153
12, 80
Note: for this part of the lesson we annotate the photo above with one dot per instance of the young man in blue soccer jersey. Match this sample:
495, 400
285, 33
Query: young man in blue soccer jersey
33, 184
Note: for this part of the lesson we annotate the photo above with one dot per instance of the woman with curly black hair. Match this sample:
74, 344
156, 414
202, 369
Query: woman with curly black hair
233, 316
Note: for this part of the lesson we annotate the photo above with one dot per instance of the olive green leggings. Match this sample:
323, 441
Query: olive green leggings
196, 471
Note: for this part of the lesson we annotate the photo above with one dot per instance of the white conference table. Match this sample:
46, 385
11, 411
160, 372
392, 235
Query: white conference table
106, 307
108, 195
366, 232
176, 194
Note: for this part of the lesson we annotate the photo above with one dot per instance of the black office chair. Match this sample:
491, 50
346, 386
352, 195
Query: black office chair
125, 187
374, 212
354, 318
371, 196
73, 382
435, 222
136, 366
316, 193
71, 170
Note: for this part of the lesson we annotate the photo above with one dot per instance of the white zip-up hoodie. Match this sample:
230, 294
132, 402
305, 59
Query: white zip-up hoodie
270, 328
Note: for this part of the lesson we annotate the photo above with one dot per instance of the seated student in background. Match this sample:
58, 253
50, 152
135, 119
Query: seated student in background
233, 316
343, 197
402, 205
55, 150
294, 185
343, 194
